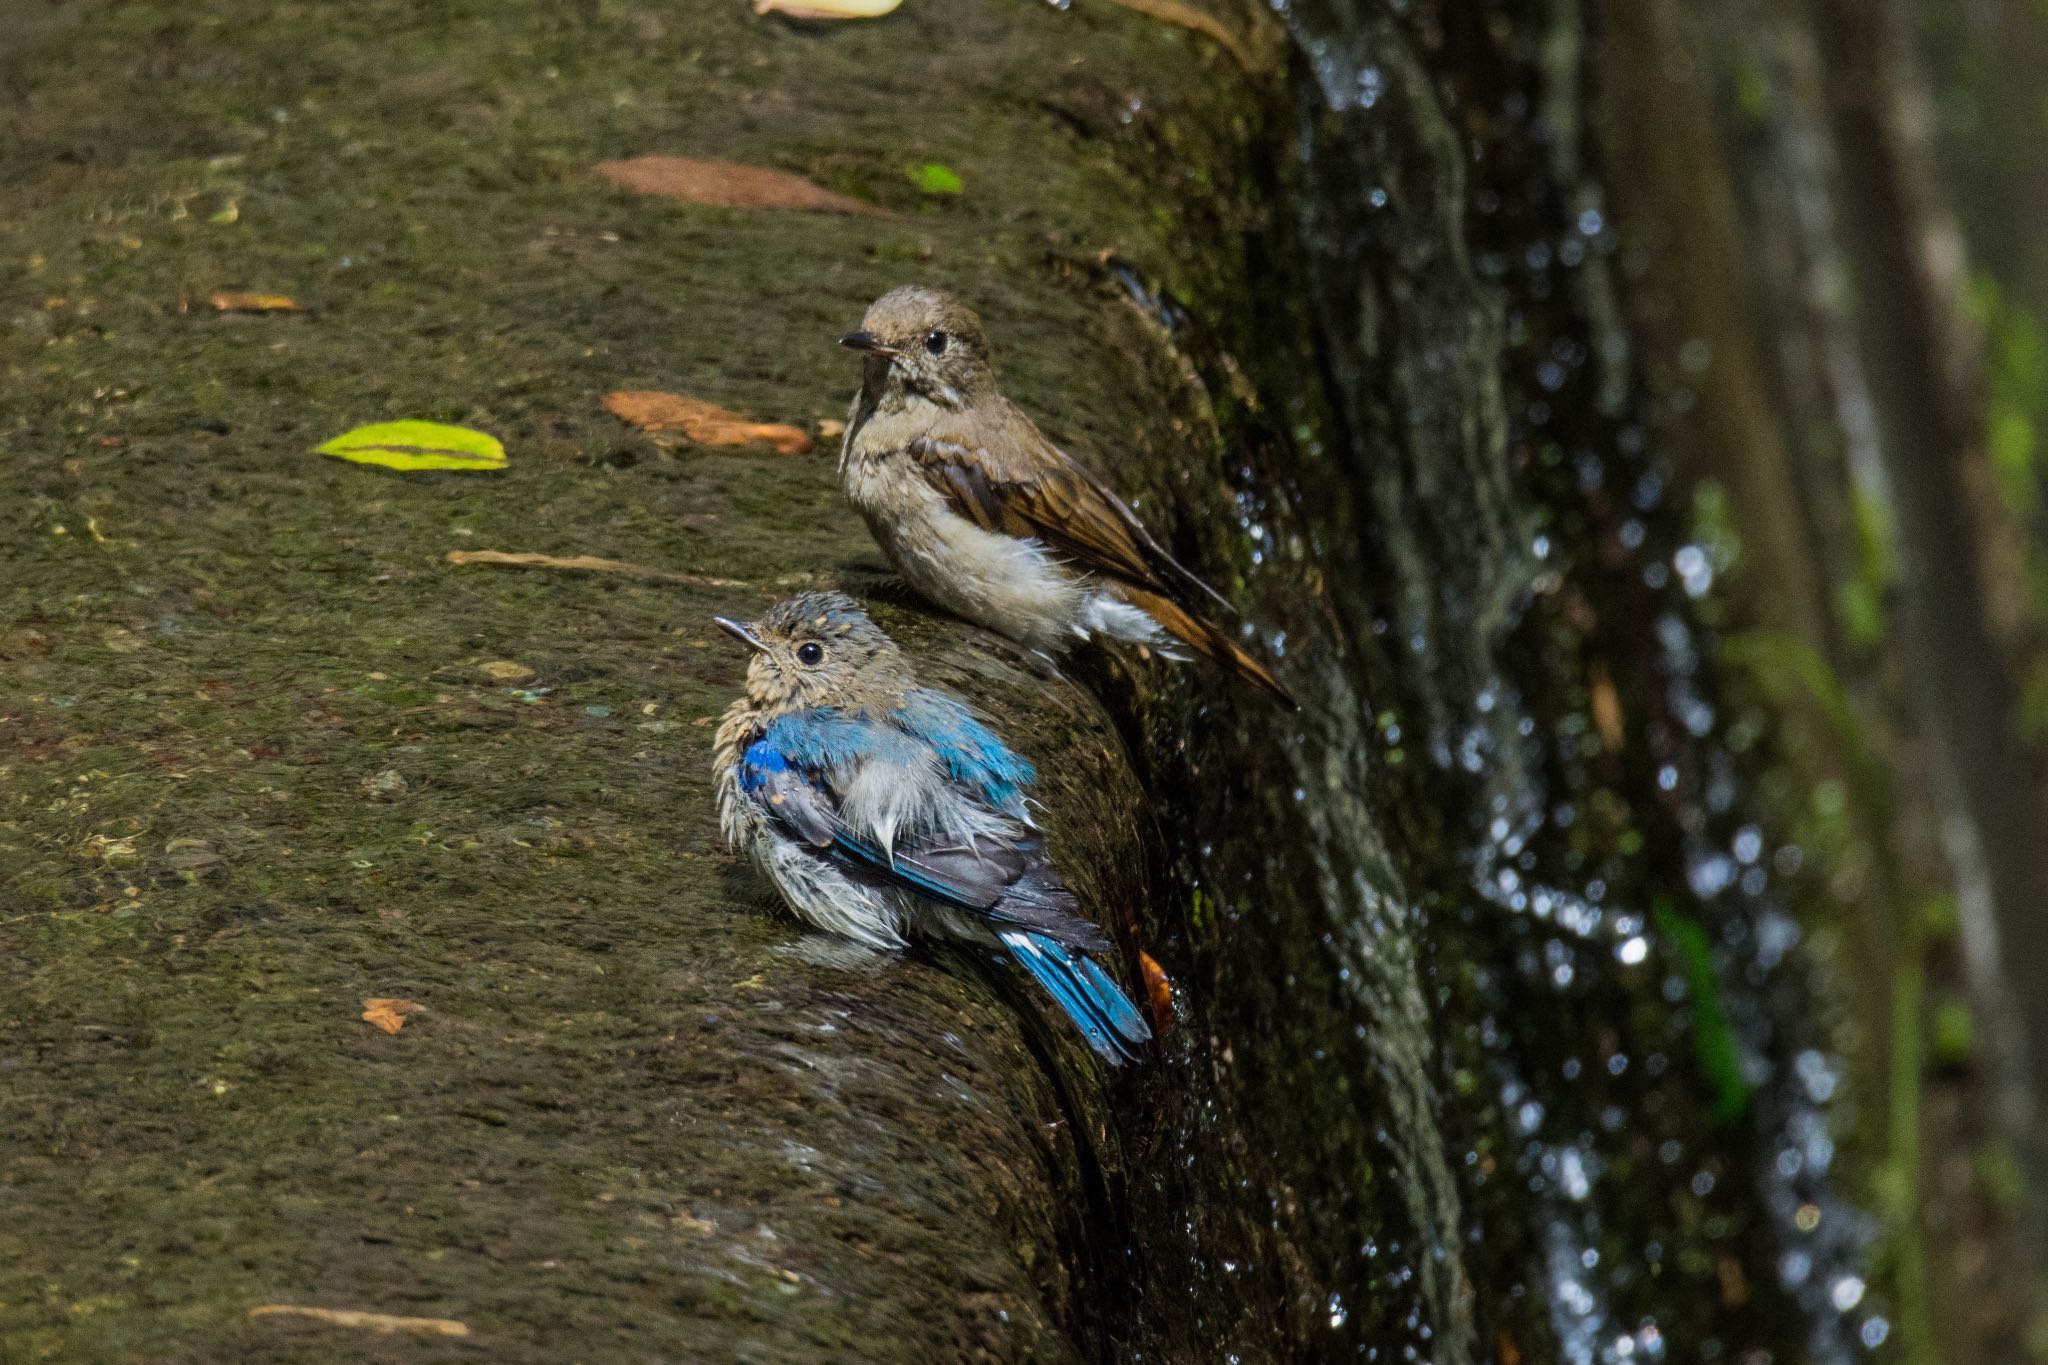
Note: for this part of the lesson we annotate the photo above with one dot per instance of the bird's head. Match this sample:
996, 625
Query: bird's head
819, 649
926, 342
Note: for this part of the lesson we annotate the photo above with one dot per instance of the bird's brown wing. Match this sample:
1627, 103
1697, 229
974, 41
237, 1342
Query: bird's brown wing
1036, 491
1023, 485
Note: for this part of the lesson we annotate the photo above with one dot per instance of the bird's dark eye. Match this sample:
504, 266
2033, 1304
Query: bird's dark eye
935, 342
810, 653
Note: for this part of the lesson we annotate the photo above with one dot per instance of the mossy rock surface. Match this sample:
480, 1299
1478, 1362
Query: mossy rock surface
253, 771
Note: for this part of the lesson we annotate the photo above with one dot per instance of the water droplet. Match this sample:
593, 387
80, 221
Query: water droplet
1694, 570
1708, 876
1816, 1074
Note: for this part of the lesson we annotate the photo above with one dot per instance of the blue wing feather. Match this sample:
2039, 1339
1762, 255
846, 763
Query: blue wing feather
805, 806
1103, 1013
974, 755
824, 739
1109, 997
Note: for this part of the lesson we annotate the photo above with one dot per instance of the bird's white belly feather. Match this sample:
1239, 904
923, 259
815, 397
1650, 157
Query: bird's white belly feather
1015, 587
818, 892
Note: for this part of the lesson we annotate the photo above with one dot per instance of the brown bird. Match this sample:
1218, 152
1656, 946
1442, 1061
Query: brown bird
988, 518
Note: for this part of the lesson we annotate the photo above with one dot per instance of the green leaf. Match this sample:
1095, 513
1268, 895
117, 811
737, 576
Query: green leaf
933, 178
1713, 1037
1954, 1033
417, 445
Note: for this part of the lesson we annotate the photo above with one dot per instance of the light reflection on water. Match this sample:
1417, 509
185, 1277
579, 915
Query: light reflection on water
1576, 935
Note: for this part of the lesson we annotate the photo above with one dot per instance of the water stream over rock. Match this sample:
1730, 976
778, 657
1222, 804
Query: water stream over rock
1507, 992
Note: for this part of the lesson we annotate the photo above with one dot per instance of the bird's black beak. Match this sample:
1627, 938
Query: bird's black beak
740, 633
868, 342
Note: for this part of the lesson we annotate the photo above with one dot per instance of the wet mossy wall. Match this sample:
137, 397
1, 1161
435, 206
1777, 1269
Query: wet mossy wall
1491, 1046
252, 774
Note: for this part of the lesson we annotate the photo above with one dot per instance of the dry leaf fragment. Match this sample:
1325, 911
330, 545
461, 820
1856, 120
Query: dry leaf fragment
588, 564
506, 671
1606, 708
705, 423
1188, 17
728, 185
389, 1013
827, 9
1158, 992
1734, 1284
375, 1322
830, 429
236, 301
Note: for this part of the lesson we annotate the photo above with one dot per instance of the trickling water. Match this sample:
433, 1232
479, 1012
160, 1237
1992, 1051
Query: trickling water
1497, 971
1566, 385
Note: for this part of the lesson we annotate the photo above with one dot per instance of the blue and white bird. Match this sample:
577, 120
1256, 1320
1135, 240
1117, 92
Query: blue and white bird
882, 810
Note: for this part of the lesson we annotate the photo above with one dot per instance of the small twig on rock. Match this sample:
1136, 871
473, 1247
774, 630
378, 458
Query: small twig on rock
589, 564
375, 1322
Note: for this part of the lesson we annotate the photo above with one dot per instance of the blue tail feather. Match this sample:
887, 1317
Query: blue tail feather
1116, 1007
1098, 1007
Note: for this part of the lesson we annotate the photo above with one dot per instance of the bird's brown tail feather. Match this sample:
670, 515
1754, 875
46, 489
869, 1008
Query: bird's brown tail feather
1206, 640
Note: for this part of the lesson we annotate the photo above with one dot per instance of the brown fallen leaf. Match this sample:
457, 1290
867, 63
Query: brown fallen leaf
705, 423
1188, 17
588, 564
375, 1322
831, 429
235, 301
1158, 992
728, 185
390, 1013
